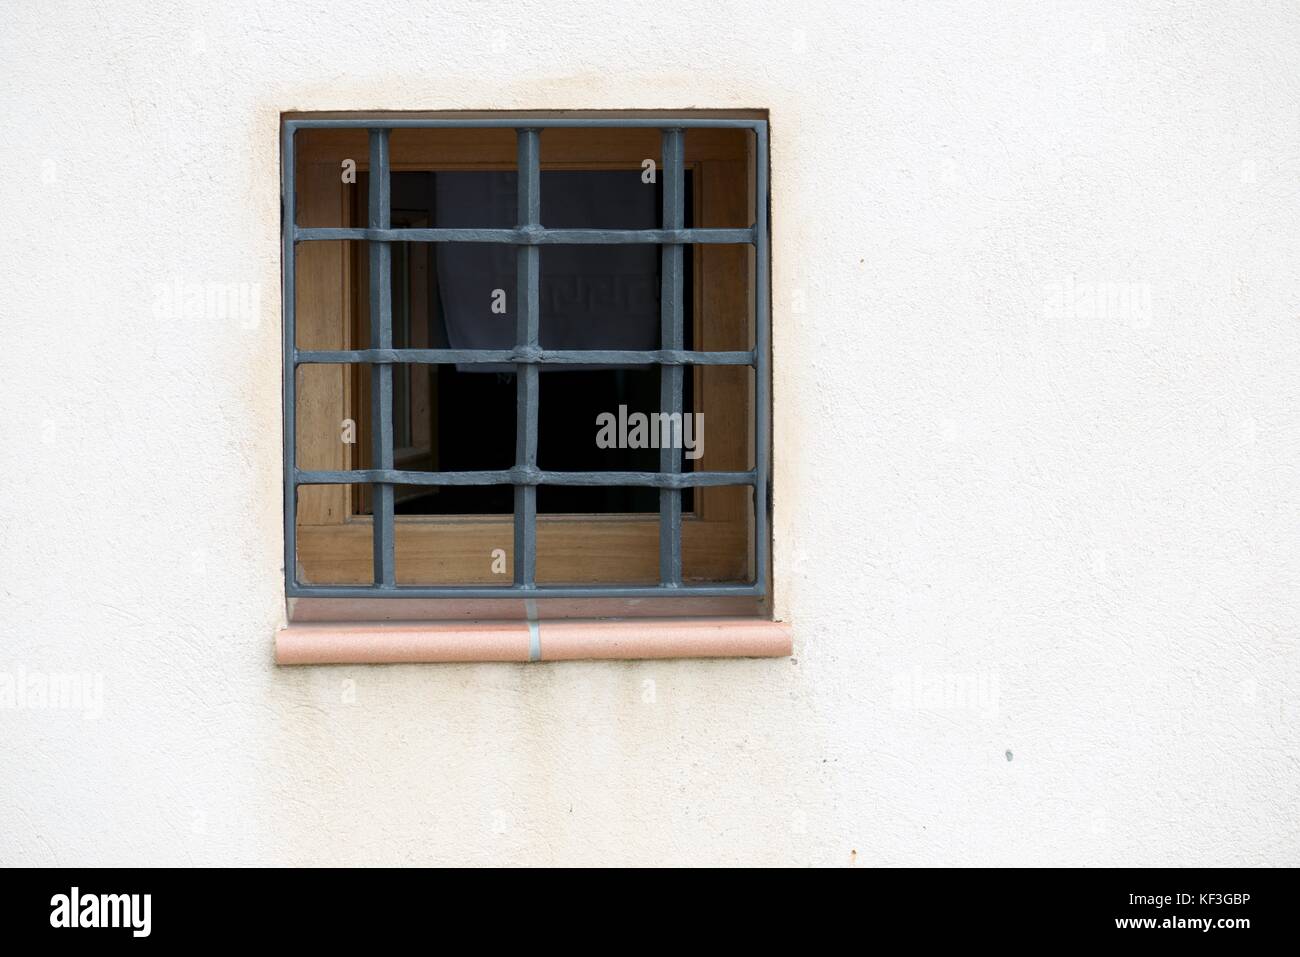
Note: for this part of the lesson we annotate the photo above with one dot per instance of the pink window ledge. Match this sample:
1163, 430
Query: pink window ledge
411, 642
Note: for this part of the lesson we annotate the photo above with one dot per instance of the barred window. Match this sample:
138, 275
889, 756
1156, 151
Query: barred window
526, 356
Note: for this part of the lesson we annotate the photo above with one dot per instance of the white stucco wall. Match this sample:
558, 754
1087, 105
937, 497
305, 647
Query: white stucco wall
1039, 547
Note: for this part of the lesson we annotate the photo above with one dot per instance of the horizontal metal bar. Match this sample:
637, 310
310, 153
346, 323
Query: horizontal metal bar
526, 476
518, 122
528, 236
300, 590
631, 357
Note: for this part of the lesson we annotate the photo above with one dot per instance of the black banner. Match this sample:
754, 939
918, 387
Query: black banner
135, 908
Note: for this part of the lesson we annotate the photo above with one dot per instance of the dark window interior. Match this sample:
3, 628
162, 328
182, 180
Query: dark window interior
449, 418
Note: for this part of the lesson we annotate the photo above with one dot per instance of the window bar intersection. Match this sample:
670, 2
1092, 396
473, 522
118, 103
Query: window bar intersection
527, 357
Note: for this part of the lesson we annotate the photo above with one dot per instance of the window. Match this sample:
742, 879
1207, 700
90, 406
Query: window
526, 357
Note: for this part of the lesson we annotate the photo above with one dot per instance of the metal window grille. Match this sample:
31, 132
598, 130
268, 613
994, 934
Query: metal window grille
527, 355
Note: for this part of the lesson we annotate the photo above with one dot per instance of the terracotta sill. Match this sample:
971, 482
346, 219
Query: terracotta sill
413, 642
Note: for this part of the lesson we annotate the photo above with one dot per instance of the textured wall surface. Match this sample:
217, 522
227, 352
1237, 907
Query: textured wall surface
1036, 337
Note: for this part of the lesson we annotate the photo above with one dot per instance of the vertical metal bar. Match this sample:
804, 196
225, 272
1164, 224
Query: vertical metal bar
381, 374
527, 335
762, 424
288, 219
671, 324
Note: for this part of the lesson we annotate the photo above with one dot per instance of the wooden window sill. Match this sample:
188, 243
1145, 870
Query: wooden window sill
415, 642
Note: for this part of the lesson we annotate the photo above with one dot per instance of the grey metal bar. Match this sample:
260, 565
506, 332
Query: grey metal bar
672, 332
528, 283
540, 356
762, 351
518, 591
528, 237
288, 214
527, 476
381, 376
515, 122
